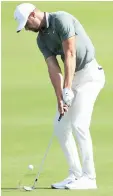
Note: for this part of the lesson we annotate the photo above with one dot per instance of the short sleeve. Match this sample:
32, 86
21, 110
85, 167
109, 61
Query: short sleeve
64, 24
45, 51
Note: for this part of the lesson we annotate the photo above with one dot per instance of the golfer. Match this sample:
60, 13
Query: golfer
60, 33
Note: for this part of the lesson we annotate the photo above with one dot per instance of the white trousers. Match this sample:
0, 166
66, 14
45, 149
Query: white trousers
87, 84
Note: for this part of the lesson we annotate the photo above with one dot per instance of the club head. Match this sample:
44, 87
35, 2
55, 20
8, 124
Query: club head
28, 188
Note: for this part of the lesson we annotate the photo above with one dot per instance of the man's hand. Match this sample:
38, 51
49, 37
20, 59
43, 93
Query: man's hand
62, 108
68, 96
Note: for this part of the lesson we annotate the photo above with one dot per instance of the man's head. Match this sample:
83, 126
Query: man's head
29, 17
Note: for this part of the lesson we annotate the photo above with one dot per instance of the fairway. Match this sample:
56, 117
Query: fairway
29, 104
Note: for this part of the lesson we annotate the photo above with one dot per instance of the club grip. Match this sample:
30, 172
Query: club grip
60, 117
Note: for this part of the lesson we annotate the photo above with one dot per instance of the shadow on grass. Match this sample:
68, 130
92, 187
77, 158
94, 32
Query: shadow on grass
20, 189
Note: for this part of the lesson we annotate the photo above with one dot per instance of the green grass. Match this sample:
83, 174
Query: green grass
28, 103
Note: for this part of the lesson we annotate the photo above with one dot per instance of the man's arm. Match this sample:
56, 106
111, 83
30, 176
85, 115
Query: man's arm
57, 81
69, 69
55, 76
65, 26
70, 61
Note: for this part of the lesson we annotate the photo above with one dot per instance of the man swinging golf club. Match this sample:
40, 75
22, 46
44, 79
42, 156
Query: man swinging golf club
60, 33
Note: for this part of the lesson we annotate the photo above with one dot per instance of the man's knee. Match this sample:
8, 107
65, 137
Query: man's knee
80, 129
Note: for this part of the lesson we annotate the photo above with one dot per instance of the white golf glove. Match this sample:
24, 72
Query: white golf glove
68, 96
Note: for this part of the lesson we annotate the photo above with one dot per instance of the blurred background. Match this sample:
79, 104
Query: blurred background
29, 104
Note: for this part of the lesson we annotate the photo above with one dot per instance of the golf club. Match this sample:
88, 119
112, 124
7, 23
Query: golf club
28, 188
60, 117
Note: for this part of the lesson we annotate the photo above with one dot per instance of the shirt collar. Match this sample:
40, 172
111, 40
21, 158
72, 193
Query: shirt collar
47, 15
47, 23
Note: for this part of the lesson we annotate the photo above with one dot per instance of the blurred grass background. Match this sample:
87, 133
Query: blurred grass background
28, 102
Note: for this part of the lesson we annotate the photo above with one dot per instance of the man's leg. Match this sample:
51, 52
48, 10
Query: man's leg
63, 132
81, 117
81, 112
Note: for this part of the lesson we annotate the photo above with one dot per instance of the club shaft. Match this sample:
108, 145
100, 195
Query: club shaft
45, 155
42, 162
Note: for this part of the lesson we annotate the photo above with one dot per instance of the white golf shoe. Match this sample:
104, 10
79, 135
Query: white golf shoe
62, 184
82, 183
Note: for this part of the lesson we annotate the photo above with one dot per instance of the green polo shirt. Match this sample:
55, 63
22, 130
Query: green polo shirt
61, 26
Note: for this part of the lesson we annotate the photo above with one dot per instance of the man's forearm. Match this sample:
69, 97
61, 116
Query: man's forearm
57, 81
55, 76
69, 70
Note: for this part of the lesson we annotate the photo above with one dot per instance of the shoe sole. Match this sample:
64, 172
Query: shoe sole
81, 188
53, 187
